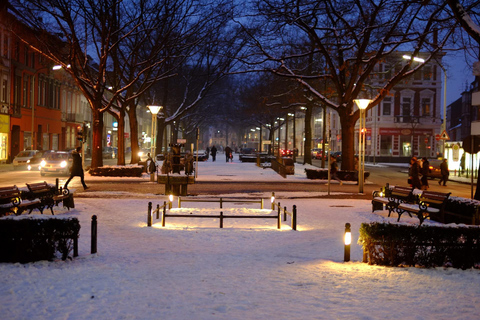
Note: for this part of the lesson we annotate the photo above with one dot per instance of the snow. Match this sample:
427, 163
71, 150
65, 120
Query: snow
192, 269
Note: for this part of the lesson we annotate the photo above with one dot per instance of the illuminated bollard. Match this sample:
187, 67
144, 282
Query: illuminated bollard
348, 241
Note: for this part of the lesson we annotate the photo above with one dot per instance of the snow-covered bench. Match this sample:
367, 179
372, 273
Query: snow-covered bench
11, 201
429, 203
391, 198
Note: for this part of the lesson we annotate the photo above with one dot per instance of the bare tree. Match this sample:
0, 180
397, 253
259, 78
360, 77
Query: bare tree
345, 41
88, 38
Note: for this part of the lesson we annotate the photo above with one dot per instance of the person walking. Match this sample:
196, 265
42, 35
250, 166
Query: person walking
213, 152
444, 172
414, 174
425, 172
77, 168
334, 170
228, 153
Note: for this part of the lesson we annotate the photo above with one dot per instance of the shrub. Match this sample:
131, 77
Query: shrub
427, 246
29, 239
118, 171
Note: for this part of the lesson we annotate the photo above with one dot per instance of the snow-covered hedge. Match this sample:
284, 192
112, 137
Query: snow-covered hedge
118, 171
427, 246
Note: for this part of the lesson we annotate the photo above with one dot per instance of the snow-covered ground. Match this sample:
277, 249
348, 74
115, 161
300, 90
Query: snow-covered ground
191, 269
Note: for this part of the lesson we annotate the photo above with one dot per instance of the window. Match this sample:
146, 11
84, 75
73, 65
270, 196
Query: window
4, 90
427, 73
425, 106
406, 108
387, 106
25, 92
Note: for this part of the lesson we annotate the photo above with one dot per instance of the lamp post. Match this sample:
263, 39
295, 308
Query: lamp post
154, 111
362, 105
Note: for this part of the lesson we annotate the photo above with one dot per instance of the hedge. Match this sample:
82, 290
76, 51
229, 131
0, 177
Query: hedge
426, 246
33, 239
118, 171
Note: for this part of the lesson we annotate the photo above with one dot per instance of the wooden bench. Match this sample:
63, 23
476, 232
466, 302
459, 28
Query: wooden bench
392, 198
49, 196
430, 203
11, 201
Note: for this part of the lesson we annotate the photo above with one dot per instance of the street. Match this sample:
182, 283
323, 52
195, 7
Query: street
379, 176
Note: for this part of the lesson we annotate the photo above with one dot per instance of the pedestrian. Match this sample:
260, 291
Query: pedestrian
414, 174
213, 152
77, 168
207, 151
334, 170
151, 166
425, 173
445, 172
228, 153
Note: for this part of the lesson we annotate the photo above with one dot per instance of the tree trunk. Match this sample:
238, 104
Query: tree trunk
132, 116
121, 139
307, 147
97, 139
160, 132
348, 140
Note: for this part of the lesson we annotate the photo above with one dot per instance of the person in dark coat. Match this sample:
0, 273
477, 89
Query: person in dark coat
77, 168
445, 172
425, 172
414, 173
334, 169
151, 166
213, 152
228, 153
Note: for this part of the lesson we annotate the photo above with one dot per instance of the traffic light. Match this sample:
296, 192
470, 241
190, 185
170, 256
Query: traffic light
80, 133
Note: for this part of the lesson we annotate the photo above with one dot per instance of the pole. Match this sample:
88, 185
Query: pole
361, 152
444, 107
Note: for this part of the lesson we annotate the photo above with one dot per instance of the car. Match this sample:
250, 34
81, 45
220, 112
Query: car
434, 166
286, 153
22, 158
337, 155
248, 155
34, 164
109, 153
202, 155
59, 162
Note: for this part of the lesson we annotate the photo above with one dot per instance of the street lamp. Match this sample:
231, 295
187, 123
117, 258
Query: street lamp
154, 111
362, 105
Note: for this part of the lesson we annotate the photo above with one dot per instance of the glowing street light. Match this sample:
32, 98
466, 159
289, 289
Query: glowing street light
154, 111
348, 242
362, 105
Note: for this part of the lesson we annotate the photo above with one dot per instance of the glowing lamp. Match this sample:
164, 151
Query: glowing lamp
348, 241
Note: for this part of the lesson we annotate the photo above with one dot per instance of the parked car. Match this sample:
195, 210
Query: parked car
34, 164
22, 158
248, 155
56, 162
337, 155
109, 153
202, 155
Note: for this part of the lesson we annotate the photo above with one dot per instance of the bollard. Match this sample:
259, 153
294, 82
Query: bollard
149, 215
164, 212
348, 241
294, 217
93, 248
285, 213
272, 199
158, 211
221, 219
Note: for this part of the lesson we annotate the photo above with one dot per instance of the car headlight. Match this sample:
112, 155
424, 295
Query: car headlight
29, 167
63, 164
43, 163
28, 161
